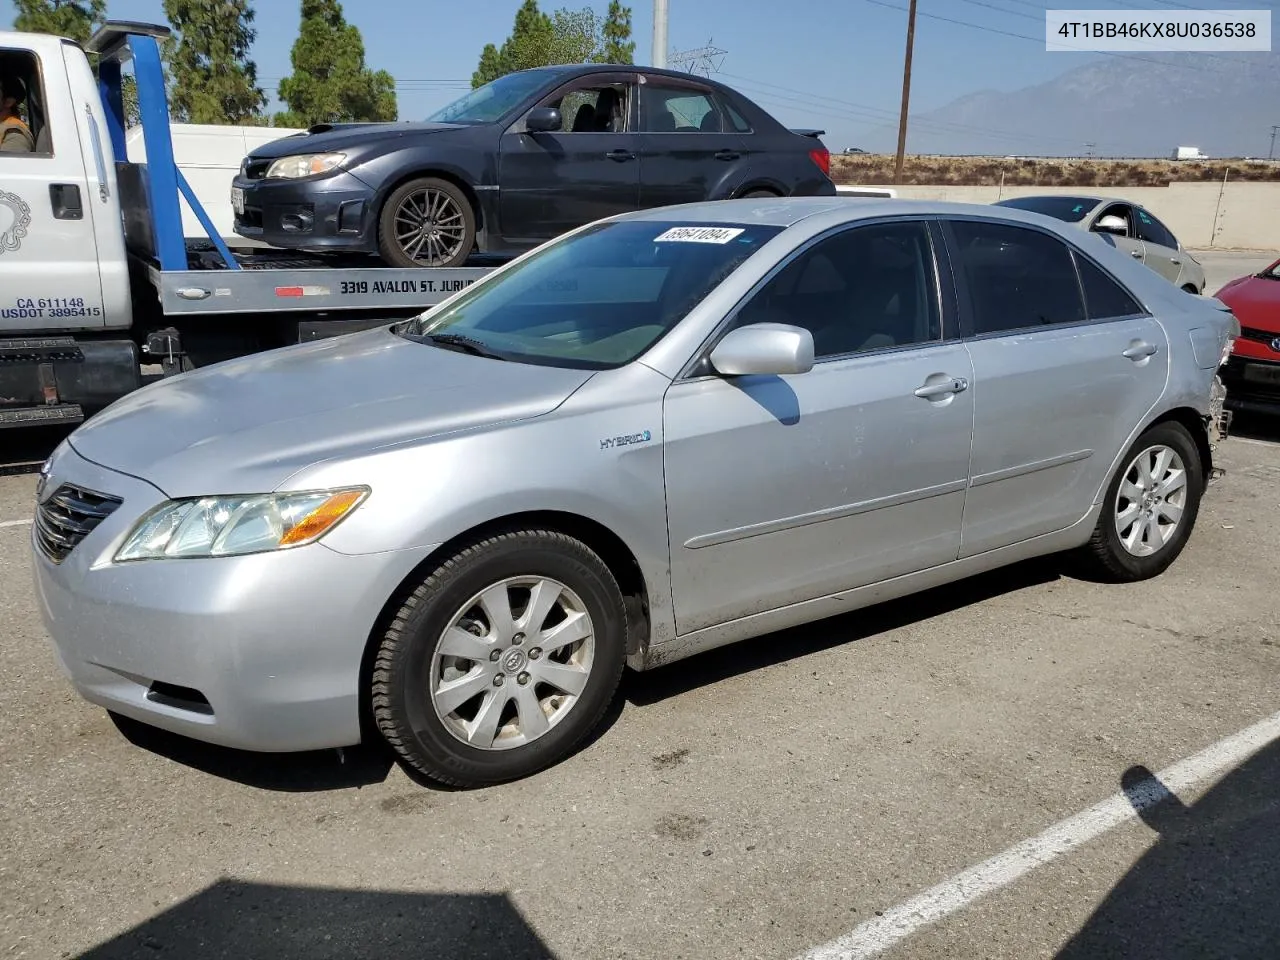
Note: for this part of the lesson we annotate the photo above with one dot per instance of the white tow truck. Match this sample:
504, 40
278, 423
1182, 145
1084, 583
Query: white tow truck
96, 277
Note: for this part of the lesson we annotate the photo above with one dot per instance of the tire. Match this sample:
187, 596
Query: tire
1106, 555
1190, 288
405, 227
753, 194
482, 734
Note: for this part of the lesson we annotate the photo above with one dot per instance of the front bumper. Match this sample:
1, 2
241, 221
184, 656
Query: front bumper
333, 212
259, 652
1253, 384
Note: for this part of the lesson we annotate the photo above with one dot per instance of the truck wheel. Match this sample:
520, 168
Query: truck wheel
502, 660
427, 222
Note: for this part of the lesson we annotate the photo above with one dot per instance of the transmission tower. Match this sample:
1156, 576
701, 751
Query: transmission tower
702, 60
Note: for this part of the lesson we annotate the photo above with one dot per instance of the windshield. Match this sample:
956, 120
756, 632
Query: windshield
597, 299
1070, 209
490, 102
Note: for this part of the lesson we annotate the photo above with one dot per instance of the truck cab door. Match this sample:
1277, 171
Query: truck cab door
48, 247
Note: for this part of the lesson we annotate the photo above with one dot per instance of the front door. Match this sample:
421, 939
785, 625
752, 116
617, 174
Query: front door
784, 489
555, 181
688, 150
1061, 378
48, 252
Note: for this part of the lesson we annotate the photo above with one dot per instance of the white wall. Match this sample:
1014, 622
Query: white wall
209, 157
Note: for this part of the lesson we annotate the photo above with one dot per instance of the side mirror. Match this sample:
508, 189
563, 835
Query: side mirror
1112, 224
543, 120
764, 349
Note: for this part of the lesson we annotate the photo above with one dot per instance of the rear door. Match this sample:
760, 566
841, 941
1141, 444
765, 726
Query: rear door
1162, 253
589, 169
1066, 365
48, 251
689, 151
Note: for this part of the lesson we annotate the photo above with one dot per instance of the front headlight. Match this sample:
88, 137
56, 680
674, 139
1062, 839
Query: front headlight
233, 525
303, 165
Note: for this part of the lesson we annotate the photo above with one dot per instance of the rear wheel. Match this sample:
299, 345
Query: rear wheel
1150, 507
427, 222
750, 194
502, 660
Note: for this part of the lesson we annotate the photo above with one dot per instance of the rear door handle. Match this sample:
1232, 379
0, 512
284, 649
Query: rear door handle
65, 200
620, 155
727, 155
931, 390
1136, 253
1140, 350
1175, 261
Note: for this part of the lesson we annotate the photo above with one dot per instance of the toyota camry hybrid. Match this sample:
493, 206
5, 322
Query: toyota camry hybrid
521, 160
655, 435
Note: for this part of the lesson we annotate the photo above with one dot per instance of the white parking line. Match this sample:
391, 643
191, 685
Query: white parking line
946, 898
14, 523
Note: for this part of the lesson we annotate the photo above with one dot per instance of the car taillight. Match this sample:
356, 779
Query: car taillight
822, 159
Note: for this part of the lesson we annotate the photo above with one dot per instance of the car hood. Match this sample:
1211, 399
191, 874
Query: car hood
328, 138
1254, 301
247, 425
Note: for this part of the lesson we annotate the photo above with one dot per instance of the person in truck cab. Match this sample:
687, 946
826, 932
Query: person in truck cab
15, 136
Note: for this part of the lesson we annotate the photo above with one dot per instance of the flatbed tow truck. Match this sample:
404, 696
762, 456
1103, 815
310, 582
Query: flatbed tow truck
96, 277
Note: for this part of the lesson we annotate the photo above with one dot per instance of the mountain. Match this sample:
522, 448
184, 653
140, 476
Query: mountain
1224, 104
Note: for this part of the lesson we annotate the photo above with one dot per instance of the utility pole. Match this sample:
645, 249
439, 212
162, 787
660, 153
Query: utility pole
906, 94
659, 33
1271, 154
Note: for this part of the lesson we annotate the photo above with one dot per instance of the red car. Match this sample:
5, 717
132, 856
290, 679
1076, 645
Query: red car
1252, 373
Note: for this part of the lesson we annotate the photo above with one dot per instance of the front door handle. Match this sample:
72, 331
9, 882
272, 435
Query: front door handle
727, 155
1140, 350
932, 390
620, 155
65, 200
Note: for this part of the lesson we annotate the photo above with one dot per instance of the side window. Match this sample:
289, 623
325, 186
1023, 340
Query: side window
677, 110
739, 122
591, 107
1124, 212
1103, 297
23, 124
866, 288
1153, 231
1017, 277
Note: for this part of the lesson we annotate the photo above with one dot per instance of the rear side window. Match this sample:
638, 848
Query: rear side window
1103, 297
674, 109
28, 133
1017, 278
1153, 231
739, 122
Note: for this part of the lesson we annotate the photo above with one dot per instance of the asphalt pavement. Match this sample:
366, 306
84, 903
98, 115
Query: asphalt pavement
758, 801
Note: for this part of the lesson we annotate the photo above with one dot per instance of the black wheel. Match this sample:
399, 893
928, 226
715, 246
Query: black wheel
502, 660
750, 194
1190, 288
426, 222
1150, 507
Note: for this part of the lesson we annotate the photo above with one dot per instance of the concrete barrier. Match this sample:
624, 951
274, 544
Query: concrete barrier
1242, 216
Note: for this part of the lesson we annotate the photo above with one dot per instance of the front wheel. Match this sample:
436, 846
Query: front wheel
1150, 507
502, 660
427, 222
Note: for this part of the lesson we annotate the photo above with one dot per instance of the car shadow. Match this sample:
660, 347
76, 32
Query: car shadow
1210, 887
234, 918
772, 649
316, 770
1255, 426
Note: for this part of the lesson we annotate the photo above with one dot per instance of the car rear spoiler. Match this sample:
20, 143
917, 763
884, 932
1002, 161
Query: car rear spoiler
808, 133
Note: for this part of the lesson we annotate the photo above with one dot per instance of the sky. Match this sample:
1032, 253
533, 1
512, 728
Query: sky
833, 64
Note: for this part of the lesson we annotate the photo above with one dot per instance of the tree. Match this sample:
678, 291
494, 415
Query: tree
330, 83
75, 19
617, 45
567, 36
213, 79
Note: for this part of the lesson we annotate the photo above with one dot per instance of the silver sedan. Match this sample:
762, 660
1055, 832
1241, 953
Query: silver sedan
655, 435
1129, 226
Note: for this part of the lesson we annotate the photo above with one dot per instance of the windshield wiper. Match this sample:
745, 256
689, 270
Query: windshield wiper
456, 341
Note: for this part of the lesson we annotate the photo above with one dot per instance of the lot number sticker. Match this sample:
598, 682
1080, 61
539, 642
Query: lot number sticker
698, 235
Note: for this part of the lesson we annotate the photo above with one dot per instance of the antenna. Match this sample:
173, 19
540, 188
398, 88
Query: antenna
701, 60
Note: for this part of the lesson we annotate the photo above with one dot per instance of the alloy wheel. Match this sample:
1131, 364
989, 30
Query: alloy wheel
512, 663
1151, 500
429, 227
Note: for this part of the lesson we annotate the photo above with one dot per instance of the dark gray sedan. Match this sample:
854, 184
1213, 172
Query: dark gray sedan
521, 160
